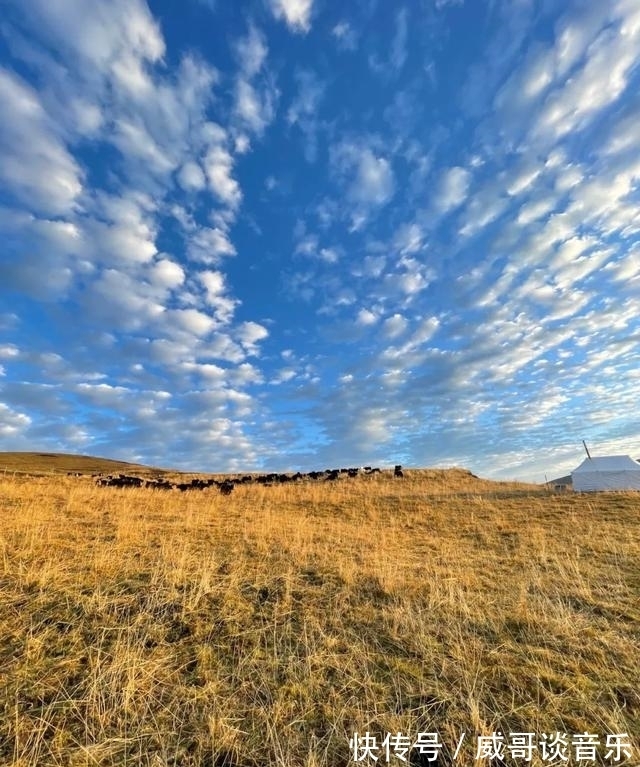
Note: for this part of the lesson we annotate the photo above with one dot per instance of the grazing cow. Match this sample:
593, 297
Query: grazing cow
159, 484
226, 487
122, 481
397, 472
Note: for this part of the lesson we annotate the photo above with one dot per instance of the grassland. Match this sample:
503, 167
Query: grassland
140, 627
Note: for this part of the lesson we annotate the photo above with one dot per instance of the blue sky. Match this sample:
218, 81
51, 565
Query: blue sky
298, 234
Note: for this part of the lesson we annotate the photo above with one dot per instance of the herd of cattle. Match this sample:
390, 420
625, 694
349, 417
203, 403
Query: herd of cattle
226, 486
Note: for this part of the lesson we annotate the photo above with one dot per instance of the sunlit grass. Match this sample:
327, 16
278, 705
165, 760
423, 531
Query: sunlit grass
145, 627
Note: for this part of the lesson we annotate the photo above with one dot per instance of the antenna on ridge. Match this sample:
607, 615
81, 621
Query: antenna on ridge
587, 449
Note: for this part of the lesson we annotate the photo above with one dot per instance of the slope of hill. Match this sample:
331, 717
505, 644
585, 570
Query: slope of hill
63, 463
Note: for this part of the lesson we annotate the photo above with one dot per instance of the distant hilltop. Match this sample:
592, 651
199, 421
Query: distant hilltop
64, 463
69, 463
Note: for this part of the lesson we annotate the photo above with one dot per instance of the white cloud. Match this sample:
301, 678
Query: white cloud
394, 326
7, 351
130, 73
35, 165
485, 206
572, 249
249, 334
222, 347
284, 375
102, 394
211, 373
304, 108
372, 266
255, 111
208, 245
329, 255
399, 44
371, 176
191, 177
241, 143
12, 423
128, 234
296, 13
366, 317
345, 35
191, 320
523, 180
122, 302
38, 254
406, 354
605, 75
453, 189
627, 269
214, 284
88, 118
167, 274
576, 33
134, 141
571, 272
218, 165
568, 177
106, 35
411, 282
308, 245
252, 52
408, 239
534, 210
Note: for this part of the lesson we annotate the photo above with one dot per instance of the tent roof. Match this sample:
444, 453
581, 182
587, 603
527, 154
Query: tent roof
608, 463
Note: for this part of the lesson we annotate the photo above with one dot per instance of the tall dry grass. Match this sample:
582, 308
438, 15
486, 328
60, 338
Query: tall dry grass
141, 627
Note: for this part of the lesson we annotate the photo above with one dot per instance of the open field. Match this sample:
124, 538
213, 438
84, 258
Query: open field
142, 627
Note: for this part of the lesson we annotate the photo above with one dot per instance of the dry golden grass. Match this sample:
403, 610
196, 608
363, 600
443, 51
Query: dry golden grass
141, 627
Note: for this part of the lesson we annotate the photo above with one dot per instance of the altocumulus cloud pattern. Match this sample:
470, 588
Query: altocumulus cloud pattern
288, 234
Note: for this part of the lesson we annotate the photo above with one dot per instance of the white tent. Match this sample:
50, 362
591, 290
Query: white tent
608, 472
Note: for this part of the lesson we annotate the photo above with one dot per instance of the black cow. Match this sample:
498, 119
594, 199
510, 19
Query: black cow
397, 472
122, 481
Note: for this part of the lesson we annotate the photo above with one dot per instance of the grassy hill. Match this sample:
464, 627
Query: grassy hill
63, 463
195, 630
